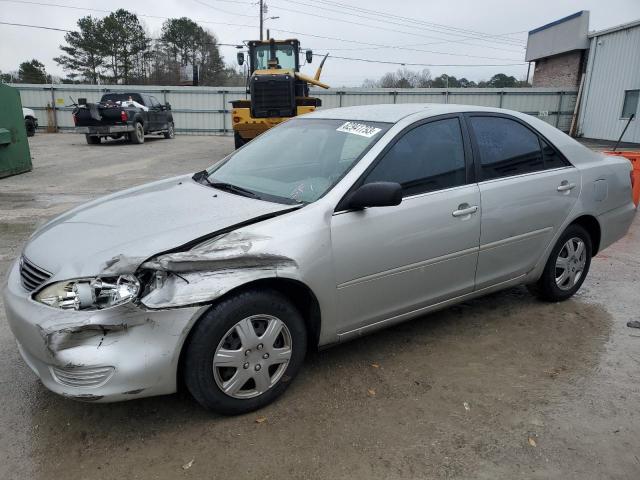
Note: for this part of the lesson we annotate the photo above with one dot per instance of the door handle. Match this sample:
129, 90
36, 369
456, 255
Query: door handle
566, 186
464, 210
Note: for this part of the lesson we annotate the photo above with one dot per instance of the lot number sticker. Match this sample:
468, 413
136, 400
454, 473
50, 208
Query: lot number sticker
358, 129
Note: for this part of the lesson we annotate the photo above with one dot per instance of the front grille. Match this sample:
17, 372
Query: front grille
272, 96
32, 276
81, 376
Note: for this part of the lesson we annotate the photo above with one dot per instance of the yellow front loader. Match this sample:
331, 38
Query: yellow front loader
277, 89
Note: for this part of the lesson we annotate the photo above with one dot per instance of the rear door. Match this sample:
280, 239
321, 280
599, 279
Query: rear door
394, 260
527, 188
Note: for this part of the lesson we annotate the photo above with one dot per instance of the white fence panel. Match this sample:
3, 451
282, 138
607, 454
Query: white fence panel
207, 110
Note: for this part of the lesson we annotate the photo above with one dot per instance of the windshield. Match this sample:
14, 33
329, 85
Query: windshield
285, 54
299, 160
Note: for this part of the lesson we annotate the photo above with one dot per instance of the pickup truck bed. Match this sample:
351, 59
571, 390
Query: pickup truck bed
123, 114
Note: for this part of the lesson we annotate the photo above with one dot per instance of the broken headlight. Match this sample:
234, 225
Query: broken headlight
90, 294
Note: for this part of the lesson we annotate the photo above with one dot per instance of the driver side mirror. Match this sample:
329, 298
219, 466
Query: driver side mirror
166, 106
240, 58
376, 194
309, 56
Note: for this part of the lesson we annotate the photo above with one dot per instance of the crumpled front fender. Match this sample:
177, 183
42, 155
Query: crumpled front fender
211, 269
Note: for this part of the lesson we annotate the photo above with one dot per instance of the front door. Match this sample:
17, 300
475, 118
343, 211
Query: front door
394, 260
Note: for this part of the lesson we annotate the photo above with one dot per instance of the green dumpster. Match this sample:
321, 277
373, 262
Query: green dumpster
14, 148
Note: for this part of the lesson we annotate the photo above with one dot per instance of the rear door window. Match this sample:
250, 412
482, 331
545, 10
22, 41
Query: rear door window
505, 147
427, 158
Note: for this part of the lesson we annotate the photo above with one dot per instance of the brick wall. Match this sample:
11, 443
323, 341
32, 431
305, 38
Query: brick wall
558, 71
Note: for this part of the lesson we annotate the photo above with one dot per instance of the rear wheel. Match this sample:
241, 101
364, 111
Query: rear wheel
244, 352
170, 133
238, 140
137, 136
567, 266
30, 125
91, 140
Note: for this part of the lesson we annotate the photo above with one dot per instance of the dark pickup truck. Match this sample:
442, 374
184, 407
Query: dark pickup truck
123, 114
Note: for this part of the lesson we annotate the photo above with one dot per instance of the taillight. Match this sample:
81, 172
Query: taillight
123, 116
236, 119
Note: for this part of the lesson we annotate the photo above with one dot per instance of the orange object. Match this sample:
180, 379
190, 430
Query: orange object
634, 158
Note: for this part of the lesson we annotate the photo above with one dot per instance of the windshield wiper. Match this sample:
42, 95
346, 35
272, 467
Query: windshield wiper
233, 189
227, 187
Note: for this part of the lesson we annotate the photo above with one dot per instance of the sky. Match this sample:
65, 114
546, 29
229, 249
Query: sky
466, 38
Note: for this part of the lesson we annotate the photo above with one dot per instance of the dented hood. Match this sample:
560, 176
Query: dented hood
136, 224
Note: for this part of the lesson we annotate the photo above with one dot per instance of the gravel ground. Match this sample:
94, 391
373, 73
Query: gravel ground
501, 387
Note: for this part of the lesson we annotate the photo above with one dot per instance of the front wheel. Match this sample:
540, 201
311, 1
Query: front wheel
30, 125
238, 140
567, 266
170, 133
243, 353
137, 136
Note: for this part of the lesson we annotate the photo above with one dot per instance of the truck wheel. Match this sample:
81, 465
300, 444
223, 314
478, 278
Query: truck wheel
137, 136
30, 126
92, 140
238, 140
170, 133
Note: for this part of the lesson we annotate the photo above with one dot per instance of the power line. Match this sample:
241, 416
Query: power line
34, 26
502, 39
344, 40
421, 45
234, 45
218, 9
386, 15
434, 52
43, 4
368, 60
364, 25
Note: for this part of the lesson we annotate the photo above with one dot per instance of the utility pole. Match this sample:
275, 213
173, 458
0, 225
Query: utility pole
261, 17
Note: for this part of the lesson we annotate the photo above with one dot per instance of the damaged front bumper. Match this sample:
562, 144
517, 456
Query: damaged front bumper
118, 353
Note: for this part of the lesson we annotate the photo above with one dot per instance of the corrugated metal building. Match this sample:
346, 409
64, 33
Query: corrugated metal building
609, 79
612, 84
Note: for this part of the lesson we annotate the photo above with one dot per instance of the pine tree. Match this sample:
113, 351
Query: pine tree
84, 57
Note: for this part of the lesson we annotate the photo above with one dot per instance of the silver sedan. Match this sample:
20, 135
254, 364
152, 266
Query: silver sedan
325, 228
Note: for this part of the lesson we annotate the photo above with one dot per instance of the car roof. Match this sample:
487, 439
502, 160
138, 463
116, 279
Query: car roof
411, 112
393, 113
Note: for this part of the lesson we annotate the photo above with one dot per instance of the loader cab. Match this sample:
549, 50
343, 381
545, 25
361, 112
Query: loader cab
274, 55
276, 87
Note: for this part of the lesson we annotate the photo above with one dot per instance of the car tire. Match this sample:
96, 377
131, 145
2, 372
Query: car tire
567, 266
137, 136
93, 140
30, 125
170, 133
240, 344
238, 140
